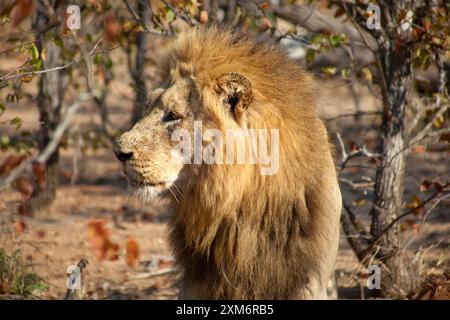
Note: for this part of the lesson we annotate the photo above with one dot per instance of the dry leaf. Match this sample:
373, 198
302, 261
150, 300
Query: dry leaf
21, 10
353, 146
415, 204
20, 226
24, 186
367, 74
165, 264
416, 228
10, 163
112, 29
22, 211
265, 5
439, 122
39, 173
445, 137
40, 234
132, 251
424, 186
99, 239
419, 149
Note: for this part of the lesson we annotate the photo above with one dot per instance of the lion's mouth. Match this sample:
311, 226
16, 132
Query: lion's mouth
136, 183
144, 188
135, 179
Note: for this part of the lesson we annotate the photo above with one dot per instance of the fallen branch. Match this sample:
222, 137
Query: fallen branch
82, 264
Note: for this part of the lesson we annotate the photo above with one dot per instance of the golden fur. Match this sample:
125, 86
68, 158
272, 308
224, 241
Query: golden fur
238, 234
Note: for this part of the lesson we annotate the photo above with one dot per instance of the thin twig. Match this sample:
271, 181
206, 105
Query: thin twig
65, 66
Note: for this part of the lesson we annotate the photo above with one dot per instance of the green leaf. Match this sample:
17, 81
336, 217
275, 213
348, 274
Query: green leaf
59, 42
4, 140
2, 108
317, 39
4, 19
108, 62
329, 71
38, 65
16, 121
34, 52
345, 72
336, 40
310, 55
170, 15
367, 74
97, 59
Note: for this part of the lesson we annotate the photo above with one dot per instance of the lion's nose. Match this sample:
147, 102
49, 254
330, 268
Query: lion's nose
123, 156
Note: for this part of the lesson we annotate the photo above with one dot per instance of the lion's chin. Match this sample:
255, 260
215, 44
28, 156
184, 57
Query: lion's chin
146, 193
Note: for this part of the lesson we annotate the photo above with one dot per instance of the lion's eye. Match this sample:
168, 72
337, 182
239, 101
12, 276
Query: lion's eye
170, 116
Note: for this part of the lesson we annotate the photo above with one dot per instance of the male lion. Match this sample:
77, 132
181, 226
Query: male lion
237, 233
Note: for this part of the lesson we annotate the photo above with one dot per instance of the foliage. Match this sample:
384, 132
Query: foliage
17, 277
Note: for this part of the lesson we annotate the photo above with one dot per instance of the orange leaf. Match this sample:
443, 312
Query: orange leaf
445, 137
360, 202
39, 173
164, 264
10, 163
375, 161
112, 251
416, 228
21, 10
414, 203
132, 250
264, 5
112, 29
20, 226
339, 12
98, 237
353, 146
22, 211
419, 149
424, 186
24, 186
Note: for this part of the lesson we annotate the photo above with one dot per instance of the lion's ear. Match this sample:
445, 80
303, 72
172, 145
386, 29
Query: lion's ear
237, 92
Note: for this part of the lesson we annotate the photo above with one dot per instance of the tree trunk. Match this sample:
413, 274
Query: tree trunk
138, 73
398, 272
50, 104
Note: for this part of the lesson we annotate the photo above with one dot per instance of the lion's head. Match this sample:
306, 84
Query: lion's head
149, 151
145, 150
218, 95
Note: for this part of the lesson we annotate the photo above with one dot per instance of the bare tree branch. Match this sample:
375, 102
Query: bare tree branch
65, 66
51, 147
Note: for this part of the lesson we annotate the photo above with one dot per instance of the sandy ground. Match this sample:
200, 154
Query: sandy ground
93, 187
